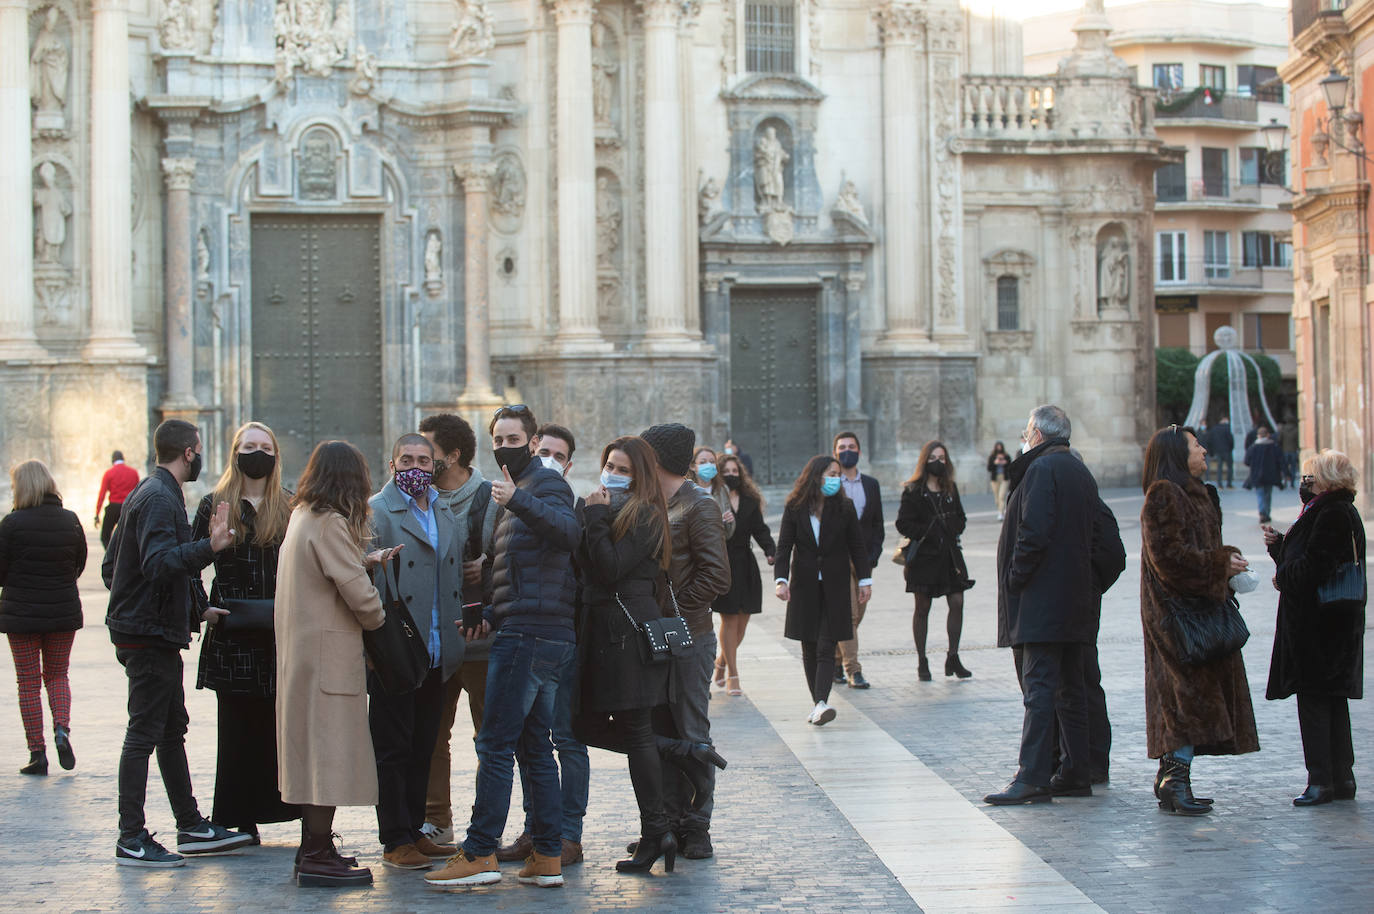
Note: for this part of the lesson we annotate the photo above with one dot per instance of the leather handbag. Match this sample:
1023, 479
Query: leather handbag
663, 638
1203, 631
1347, 583
899, 554
397, 650
246, 616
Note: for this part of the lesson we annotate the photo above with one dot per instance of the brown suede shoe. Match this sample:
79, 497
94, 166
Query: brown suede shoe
407, 857
572, 852
463, 869
546, 872
522, 847
430, 849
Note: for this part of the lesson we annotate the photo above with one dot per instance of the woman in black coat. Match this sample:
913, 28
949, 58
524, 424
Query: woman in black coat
625, 550
745, 596
932, 516
819, 542
1319, 650
42, 553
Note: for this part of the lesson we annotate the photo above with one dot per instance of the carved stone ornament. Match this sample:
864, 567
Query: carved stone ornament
848, 202
176, 30
364, 71
52, 207
434, 263
769, 158
508, 192
49, 70
473, 35
203, 256
605, 66
319, 168
178, 173
1114, 275
311, 35
900, 23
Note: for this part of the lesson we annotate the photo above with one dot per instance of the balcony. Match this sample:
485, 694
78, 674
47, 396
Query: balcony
1210, 105
1012, 107
1205, 278
1306, 12
1212, 193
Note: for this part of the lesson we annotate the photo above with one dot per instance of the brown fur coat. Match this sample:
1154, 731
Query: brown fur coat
1207, 706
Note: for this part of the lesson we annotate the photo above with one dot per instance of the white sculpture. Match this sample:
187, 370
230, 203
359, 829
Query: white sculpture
202, 256
769, 157
364, 71
473, 35
53, 209
607, 222
177, 28
604, 67
49, 66
311, 35
1238, 399
1114, 276
848, 201
434, 268
708, 200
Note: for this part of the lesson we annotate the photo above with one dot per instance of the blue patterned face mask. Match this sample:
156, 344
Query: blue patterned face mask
414, 481
830, 485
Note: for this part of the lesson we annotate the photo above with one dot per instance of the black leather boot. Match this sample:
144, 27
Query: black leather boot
954, 668
646, 852
38, 763
1176, 790
1159, 778
692, 759
923, 669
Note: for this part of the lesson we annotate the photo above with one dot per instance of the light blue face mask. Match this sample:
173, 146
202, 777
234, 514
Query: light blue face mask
614, 481
706, 472
830, 485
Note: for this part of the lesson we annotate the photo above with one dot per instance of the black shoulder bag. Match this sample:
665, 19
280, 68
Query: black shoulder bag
397, 650
1347, 582
1203, 631
662, 638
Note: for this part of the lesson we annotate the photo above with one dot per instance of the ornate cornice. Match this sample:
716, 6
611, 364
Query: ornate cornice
900, 23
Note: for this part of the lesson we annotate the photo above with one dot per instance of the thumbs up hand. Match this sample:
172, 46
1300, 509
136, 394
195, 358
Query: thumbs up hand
503, 489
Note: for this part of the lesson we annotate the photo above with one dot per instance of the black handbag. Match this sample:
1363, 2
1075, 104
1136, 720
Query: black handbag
397, 650
663, 638
246, 616
1347, 583
1203, 631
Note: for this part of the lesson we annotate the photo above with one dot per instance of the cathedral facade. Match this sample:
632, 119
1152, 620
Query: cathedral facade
767, 219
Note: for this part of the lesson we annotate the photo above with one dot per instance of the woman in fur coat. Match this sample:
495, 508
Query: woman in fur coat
1200, 709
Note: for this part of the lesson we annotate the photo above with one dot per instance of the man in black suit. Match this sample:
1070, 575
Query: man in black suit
863, 491
1220, 444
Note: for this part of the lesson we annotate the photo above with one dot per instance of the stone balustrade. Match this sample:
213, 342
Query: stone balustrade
1019, 107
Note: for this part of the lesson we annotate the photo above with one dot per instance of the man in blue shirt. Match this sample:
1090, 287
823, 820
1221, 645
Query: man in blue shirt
408, 512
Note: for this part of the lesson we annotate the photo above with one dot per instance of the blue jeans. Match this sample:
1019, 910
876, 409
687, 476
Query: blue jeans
1265, 495
574, 768
1183, 753
522, 680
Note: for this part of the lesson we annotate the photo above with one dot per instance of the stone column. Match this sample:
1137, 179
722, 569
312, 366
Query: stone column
17, 340
577, 325
178, 401
112, 316
477, 394
663, 179
902, 27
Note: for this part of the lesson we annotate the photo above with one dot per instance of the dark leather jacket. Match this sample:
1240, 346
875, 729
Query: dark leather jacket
701, 569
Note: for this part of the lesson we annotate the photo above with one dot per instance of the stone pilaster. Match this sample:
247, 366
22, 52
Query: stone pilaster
576, 170
17, 339
478, 396
178, 400
663, 177
112, 315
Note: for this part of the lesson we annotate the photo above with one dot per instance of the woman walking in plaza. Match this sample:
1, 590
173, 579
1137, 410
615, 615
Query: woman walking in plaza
745, 596
998, 463
932, 517
42, 554
238, 659
1319, 646
818, 543
324, 602
1199, 708
707, 476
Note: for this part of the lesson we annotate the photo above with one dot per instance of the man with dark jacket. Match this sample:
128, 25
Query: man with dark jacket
700, 572
1046, 604
150, 569
867, 497
1266, 470
1220, 445
533, 592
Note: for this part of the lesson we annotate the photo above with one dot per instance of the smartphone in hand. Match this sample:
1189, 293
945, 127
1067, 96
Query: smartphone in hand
472, 616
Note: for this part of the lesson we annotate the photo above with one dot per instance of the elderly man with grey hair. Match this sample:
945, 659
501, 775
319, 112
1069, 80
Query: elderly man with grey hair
1046, 606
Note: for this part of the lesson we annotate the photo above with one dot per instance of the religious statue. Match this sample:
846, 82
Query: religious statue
473, 35
769, 157
434, 267
607, 222
53, 209
310, 34
604, 67
708, 200
848, 201
364, 71
176, 29
1114, 276
49, 65
508, 193
202, 256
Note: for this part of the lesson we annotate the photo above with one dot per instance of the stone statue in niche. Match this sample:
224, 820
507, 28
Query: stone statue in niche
434, 262
473, 35
1114, 276
310, 34
53, 209
708, 200
177, 28
607, 222
848, 201
364, 71
604, 67
769, 158
202, 256
318, 169
508, 193
49, 67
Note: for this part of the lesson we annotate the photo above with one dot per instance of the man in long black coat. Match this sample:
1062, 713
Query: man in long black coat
1047, 606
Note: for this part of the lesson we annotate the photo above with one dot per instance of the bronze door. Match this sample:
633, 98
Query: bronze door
773, 370
317, 353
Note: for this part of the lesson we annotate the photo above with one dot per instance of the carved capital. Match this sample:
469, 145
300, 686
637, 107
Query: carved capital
660, 13
900, 23
178, 173
475, 176
572, 12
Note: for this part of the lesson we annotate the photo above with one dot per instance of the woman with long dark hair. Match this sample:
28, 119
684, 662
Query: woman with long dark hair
745, 596
932, 516
818, 542
625, 551
999, 462
1190, 709
238, 661
324, 602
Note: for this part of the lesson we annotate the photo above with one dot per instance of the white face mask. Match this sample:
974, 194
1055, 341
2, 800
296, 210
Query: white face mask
1025, 446
551, 463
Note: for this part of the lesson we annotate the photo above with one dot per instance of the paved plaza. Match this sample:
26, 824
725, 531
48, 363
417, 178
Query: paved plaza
880, 810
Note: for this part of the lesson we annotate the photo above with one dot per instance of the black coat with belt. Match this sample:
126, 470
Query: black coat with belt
1318, 649
42, 553
818, 573
616, 674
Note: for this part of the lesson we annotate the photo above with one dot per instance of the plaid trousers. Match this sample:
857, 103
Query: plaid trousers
42, 659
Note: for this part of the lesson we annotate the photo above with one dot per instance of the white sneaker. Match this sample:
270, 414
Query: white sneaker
823, 714
1001, 517
436, 834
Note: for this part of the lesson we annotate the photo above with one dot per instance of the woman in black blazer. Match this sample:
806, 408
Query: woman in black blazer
820, 526
745, 596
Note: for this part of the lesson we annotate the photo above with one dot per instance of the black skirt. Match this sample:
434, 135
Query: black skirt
745, 595
246, 790
937, 574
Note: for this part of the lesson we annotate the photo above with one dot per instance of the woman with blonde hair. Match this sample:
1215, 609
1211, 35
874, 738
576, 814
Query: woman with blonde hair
42, 554
745, 596
1319, 644
238, 656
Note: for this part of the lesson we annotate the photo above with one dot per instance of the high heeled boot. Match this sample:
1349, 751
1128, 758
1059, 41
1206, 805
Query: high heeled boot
693, 760
1159, 779
1176, 790
320, 864
646, 852
954, 668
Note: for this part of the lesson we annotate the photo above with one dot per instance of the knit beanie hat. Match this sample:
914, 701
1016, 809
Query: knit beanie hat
673, 444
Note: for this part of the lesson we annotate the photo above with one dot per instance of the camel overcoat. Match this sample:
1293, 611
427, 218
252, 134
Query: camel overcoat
325, 600
1206, 705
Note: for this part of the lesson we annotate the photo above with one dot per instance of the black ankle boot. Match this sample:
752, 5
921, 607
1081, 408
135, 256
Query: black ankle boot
694, 761
1159, 779
62, 739
1176, 791
646, 852
38, 763
954, 668
923, 669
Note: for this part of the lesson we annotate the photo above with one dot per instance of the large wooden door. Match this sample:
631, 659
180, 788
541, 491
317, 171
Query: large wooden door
773, 370
317, 353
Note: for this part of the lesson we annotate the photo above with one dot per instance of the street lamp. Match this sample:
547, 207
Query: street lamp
1334, 90
1274, 134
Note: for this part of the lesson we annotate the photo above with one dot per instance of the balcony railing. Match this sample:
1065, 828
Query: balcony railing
1305, 12
1219, 277
1206, 189
1012, 106
1203, 103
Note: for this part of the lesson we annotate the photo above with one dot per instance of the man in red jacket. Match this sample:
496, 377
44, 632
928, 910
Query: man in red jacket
119, 480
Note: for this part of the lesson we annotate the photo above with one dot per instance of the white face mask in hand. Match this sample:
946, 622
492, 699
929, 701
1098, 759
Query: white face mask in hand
1244, 581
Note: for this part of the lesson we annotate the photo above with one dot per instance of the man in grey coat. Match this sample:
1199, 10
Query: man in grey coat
408, 512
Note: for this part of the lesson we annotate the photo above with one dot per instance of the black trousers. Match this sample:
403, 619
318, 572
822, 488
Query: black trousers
404, 729
818, 662
157, 720
108, 524
630, 732
1324, 721
1056, 713
1099, 726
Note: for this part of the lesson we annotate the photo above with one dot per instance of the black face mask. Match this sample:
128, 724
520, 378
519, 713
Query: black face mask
731, 482
256, 464
514, 459
193, 471
936, 467
1305, 493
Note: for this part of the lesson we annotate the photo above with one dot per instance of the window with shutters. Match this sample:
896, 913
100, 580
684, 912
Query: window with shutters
1008, 303
770, 36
